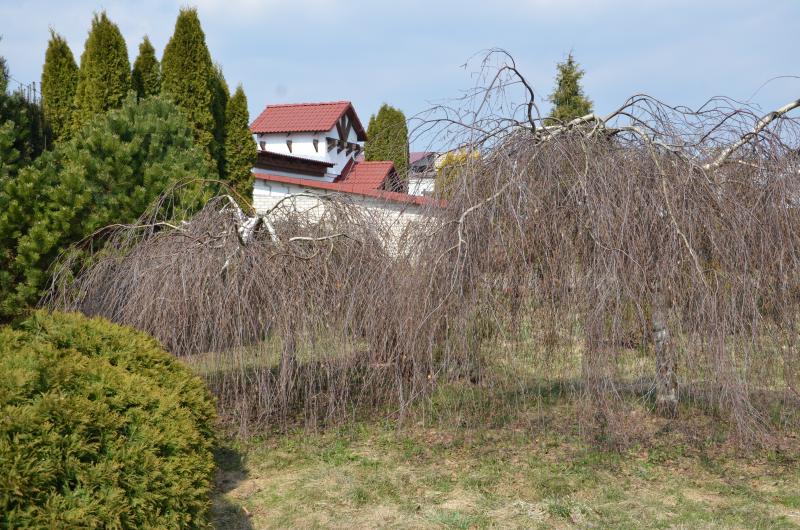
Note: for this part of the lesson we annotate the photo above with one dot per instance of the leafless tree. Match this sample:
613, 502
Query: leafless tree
664, 229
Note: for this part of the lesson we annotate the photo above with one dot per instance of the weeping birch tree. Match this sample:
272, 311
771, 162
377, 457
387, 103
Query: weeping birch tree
658, 233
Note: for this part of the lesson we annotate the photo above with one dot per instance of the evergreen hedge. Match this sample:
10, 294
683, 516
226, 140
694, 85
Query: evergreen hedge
100, 427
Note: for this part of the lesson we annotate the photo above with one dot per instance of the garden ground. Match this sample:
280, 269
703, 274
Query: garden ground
514, 475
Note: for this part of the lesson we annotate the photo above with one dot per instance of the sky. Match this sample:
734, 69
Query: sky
412, 53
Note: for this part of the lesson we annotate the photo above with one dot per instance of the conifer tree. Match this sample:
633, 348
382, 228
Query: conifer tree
110, 171
188, 79
569, 101
4, 75
146, 75
9, 154
59, 81
21, 132
219, 104
104, 78
240, 148
387, 138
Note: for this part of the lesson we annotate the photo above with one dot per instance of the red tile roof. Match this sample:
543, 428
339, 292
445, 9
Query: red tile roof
364, 179
368, 175
305, 117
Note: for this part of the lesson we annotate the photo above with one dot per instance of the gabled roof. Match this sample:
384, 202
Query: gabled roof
368, 175
305, 117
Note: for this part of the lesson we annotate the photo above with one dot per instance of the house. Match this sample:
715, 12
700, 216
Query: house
312, 149
422, 172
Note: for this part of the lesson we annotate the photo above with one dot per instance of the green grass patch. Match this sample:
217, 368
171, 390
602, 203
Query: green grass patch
372, 476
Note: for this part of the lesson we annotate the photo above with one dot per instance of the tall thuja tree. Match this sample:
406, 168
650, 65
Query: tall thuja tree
146, 74
104, 78
188, 78
240, 148
109, 172
59, 82
219, 106
569, 101
387, 139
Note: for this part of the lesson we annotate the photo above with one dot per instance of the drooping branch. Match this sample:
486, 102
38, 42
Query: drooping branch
760, 126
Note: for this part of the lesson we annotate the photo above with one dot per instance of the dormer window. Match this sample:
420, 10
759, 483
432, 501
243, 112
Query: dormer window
289, 145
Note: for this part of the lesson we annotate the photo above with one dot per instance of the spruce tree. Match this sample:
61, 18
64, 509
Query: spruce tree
146, 75
59, 81
569, 101
387, 139
189, 80
240, 148
104, 78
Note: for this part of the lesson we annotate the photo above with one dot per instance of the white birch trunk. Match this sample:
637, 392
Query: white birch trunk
666, 369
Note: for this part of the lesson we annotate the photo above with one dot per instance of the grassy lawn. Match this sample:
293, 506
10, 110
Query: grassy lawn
508, 454
373, 475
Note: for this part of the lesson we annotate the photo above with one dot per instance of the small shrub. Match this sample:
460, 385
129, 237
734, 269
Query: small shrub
99, 427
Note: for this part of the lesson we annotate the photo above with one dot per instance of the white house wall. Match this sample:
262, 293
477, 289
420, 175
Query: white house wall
421, 185
326, 178
303, 146
396, 216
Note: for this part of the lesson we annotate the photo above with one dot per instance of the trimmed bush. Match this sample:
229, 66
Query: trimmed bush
100, 427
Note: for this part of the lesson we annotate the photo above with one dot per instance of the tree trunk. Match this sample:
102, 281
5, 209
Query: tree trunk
666, 371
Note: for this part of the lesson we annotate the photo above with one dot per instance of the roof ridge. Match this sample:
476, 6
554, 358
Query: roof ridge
297, 117
309, 104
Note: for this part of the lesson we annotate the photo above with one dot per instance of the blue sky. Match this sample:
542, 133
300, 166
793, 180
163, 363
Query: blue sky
410, 53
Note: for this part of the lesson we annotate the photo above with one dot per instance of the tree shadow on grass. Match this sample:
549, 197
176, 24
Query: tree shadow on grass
230, 473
